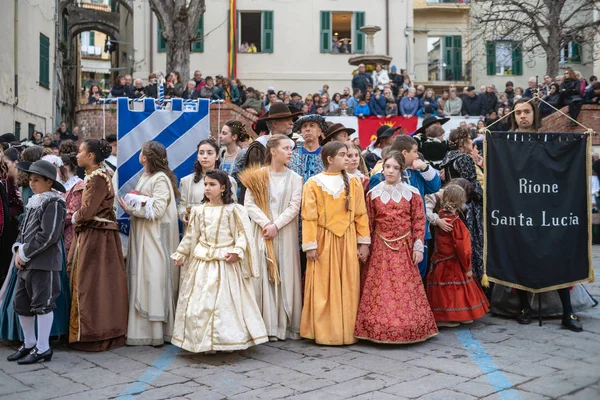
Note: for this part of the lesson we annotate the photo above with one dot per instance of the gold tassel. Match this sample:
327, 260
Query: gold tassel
484, 281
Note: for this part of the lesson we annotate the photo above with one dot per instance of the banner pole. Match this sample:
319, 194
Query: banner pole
540, 308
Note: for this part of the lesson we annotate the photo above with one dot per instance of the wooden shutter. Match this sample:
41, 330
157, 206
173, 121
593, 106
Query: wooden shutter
457, 59
267, 32
326, 31
575, 52
517, 59
198, 45
44, 61
18, 130
490, 53
92, 38
359, 37
161, 43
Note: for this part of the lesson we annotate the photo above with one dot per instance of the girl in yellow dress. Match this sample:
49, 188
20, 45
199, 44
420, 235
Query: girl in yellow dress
335, 235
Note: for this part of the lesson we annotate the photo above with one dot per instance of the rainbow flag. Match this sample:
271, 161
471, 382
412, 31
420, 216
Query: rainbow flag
232, 39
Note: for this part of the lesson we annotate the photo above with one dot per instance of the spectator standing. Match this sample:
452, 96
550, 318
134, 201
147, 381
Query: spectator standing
472, 104
442, 102
355, 99
120, 89
174, 86
531, 89
189, 91
380, 77
428, 100
208, 89
253, 104
570, 94
94, 95
227, 92
362, 110
66, 134
152, 89
409, 105
361, 79
489, 100
378, 104
510, 93
396, 80
200, 82
138, 90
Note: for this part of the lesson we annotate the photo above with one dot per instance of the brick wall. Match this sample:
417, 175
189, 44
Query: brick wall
89, 118
589, 116
90, 121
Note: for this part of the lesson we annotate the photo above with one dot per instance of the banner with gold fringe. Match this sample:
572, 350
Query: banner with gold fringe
232, 71
537, 210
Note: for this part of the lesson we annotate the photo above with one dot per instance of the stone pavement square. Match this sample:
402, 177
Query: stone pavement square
522, 362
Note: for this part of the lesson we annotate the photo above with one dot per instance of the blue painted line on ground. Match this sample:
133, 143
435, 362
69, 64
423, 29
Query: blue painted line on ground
152, 372
484, 361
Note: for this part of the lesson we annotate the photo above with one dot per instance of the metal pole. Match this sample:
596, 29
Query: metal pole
103, 120
219, 125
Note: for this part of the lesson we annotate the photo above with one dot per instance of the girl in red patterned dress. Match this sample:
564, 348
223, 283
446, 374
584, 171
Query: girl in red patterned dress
393, 305
454, 295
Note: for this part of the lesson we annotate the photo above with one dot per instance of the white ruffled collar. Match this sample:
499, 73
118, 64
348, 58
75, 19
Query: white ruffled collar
37, 200
332, 184
393, 192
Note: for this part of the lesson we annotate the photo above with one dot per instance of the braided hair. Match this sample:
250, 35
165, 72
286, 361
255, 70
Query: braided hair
238, 129
157, 161
458, 137
454, 198
330, 150
101, 149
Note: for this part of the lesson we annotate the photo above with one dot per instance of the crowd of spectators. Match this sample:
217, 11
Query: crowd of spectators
381, 94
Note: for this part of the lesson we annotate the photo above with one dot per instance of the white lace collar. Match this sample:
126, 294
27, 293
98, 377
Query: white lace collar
332, 184
37, 200
72, 181
393, 192
357, 174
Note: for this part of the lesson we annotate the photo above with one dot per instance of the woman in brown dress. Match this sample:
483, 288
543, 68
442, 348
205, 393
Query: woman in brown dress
98, 280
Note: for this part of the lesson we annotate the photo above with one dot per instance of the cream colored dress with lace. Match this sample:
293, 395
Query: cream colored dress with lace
217, 307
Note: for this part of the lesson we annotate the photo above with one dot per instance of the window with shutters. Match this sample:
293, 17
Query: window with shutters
18, 130
44, 79
31, 130
161, 43
92, 38
255, 31
340, 32
444, 58
504, 57
198, 44
570, 53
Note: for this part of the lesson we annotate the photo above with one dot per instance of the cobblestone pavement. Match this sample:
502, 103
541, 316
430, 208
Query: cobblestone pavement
493, 359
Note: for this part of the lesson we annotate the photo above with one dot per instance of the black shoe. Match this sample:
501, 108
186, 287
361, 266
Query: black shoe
571, 322
34, 357
22, 352
524, 317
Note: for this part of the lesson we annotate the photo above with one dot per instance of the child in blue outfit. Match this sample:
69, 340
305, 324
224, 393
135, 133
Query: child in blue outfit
418, 174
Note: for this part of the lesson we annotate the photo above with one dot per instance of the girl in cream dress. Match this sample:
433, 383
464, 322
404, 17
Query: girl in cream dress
217, 309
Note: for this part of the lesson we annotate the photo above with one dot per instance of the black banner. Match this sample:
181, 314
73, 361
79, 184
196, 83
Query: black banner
537, 226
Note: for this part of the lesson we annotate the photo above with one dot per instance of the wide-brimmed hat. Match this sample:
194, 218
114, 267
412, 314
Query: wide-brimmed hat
385, 131
261, 124
279, 111
319, 119
42, 168
334, 130
427, 122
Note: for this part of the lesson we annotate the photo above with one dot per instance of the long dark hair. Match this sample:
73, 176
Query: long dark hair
330, 150
197, 166
238, 129
223, 179
157, 161
536, 115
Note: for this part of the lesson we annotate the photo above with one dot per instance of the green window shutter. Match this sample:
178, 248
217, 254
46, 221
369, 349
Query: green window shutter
44, 61
65, 28
359, 37
18, 130
198, 45
92, 38
267, 32
457, 57
448, 59
517, 59
160, 40
490, 53
575, 52
325, 31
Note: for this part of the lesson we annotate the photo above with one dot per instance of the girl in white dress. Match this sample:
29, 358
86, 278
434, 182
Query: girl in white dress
217, 309
192, 185
280, 303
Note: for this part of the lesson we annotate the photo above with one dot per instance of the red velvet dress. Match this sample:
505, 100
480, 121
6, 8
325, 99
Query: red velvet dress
393, 306
453, 296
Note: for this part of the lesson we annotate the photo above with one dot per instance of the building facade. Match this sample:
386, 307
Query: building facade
27, 75
295, 41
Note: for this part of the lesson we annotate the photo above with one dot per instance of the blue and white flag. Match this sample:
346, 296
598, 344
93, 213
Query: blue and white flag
179, 130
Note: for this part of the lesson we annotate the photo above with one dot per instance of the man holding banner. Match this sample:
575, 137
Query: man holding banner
541, 202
